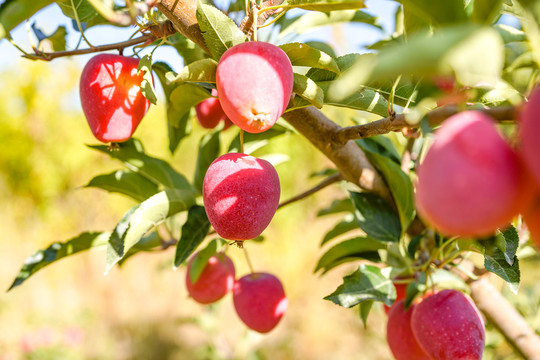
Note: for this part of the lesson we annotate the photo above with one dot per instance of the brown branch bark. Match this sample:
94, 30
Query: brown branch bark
501, 313
247, 23
398, 122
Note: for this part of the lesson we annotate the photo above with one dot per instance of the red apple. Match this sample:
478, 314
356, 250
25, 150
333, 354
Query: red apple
529, 134
214, 282
241, 195
254, 81
469, 182
259, 300
448, 326
399, 334
210, 113
111, 98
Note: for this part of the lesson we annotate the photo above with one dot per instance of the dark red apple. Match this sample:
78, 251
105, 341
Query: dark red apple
448, 326
214, 282
259, 300
210, 113
241, 195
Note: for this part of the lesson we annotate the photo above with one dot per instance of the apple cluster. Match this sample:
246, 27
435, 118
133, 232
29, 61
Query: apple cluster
473, 182
259, 298
441, 325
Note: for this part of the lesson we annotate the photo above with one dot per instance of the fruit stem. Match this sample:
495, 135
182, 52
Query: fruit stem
250, 266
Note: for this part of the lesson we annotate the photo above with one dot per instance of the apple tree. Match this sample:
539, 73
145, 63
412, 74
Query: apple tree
455, 83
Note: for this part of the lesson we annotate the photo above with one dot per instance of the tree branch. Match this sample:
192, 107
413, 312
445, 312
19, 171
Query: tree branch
326, 182
506, 318
398, 122
155, 32
247, 23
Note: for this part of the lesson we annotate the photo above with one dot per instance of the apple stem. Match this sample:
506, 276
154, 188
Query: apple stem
250, 266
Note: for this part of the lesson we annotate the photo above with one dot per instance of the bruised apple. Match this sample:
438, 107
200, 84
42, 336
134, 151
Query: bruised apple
448, 326
210, 113
469, 182
254, 81
260, 301
241, 195
214, 282
111, 98
399, 334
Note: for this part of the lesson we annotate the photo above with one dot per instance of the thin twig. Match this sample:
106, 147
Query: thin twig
326, 182
155, 32
247, 23
398, 122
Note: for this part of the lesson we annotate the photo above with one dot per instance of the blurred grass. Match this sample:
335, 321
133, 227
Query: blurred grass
141, 311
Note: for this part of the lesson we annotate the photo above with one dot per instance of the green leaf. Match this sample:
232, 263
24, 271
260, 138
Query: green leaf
364, 309
57, 251
343, 62
156, 170
308, 90
125, 182
253, 142
486, 11
147, 243
473, 53
201, 259
437, 12
313, 20
323, 5
510, 239
194, 231
14, 12
399, 183
178, 126
344, 226
365, 99
198, 71
219, 31
337, 206
143, 217
381, 145
495, 262
350, 250
186, 48
147, 85
184, 97
322, 46
378, 220
86, 13
208, 152
304, 55
54, 42
365, 284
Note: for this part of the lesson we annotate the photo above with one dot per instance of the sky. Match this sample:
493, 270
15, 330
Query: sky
356, 36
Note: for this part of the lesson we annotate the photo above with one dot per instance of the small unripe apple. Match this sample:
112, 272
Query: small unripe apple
254, 81
399, 334
210, 113
241, 195
259, 300
111, 98
448, 326
214, 282
529, 134
469, 182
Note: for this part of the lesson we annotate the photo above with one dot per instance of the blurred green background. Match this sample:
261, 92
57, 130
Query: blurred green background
70, 310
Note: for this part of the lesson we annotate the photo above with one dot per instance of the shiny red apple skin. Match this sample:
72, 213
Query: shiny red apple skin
240, 195
260, 301
214, 282
448, 326
209, 112
399, 334
111, 99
